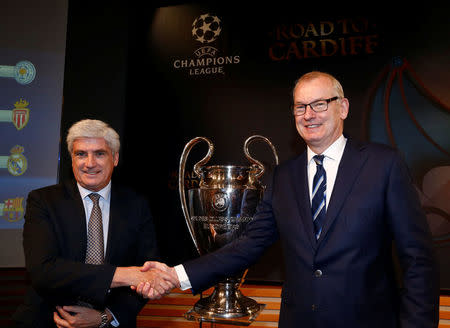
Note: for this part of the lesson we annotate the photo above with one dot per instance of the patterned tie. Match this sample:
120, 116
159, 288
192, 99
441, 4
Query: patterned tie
319, 195
94, 251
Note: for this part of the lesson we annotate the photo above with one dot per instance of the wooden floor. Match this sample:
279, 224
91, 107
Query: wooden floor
444, 313
169, 311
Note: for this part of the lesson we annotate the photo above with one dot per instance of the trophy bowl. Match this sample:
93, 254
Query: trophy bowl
216, 213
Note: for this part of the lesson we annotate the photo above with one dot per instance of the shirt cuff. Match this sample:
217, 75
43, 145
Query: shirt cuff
182, 277
114, 321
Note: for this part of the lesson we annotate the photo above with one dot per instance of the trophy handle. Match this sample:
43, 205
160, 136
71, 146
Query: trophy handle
197, 167
258, 164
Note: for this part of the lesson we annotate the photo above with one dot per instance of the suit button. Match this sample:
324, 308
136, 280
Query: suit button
318, 273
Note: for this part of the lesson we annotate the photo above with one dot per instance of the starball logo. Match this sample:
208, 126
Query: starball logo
206, 60
206, 28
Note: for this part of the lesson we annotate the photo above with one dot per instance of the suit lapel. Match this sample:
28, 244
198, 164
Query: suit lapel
115, 224
349, 167
76, 219
300, 185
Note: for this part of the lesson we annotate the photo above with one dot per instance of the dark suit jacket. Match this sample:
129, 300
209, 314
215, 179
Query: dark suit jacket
55, 247
347, 277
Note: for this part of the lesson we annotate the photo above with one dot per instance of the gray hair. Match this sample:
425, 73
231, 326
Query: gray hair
93, 129
316, 74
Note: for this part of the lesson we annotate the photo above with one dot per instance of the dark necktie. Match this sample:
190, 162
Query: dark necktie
319, 196
94, 250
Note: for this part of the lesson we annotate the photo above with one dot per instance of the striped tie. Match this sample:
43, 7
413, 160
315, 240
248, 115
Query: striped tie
319, 196
94, 251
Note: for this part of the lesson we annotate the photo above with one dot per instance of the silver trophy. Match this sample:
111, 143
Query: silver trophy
217, 213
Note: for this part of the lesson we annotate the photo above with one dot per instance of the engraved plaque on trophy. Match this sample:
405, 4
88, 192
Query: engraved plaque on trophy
216, 213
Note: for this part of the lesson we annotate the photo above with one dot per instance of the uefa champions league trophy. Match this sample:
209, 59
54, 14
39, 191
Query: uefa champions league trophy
218, 211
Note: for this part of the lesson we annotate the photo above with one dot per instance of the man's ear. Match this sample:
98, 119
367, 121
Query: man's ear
344, 108
116, 158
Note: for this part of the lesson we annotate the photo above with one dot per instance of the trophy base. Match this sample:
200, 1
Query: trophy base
225, 305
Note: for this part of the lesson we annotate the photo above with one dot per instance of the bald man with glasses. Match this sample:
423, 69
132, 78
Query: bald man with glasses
339, 209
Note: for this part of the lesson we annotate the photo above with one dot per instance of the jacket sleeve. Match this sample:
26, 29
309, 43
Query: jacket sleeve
419, 298
124, 303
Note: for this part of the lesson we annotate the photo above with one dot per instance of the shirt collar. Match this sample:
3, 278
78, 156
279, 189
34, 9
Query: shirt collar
105, 193
334, 151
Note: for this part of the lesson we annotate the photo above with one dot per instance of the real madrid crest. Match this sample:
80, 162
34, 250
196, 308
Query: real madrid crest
220, 201
17, 163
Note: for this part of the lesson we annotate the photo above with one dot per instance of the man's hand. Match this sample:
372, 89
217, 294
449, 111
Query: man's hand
147, 290
77, 317
158, 282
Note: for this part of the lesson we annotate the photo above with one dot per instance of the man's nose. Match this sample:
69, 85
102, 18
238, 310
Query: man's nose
309, 113
90, 161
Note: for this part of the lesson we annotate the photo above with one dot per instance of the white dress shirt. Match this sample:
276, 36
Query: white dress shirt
332, 158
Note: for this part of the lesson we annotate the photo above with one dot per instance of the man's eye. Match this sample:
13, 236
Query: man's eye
80, 154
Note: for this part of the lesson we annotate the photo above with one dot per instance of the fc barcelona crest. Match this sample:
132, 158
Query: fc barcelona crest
12, 209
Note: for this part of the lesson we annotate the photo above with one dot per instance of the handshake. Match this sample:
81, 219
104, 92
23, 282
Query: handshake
153, 280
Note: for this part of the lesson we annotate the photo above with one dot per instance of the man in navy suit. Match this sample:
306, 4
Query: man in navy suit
339, 272
67, 289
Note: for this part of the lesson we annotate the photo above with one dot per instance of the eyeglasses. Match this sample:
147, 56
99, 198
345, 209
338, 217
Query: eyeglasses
317, 106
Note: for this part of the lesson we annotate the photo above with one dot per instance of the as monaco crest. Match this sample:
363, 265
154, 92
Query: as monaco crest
20, 114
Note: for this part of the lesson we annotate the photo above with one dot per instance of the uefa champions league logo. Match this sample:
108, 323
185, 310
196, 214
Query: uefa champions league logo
206, 28
220, 201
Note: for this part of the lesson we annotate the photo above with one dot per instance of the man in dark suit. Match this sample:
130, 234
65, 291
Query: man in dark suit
337, 232
79, 278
